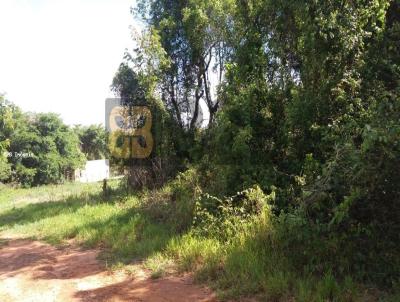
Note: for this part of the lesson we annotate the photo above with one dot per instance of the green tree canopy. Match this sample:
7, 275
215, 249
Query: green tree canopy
93, 141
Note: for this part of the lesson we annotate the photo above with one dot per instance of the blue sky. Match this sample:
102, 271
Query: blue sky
60, 56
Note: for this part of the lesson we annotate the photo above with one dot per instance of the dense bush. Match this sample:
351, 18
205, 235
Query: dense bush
175, 203
308, 108
222, 218
36, 149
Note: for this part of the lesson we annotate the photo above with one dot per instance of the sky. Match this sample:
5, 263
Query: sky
60, 55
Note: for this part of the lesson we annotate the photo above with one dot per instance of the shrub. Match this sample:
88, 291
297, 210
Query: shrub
221, 218
175, 203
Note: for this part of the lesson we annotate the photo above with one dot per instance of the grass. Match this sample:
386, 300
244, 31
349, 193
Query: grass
79, 211
251, 263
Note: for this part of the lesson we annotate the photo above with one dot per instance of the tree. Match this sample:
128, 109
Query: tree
6, 128
45, 149
93, 141
188, 35
137, 89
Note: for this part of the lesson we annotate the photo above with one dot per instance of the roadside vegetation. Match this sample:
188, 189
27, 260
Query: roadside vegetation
242, 250
39, 148
287, 185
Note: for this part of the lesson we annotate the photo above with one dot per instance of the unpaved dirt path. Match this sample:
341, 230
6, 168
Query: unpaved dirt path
37, 272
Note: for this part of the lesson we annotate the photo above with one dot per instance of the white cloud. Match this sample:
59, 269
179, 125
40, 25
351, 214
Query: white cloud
60, 56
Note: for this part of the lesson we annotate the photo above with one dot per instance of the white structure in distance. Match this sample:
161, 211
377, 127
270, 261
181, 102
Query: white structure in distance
95, 170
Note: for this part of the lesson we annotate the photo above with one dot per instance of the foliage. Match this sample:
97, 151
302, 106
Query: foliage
93, 141
303, 98
262, 257
166, 159
222, 219
175, 203
6, 128
188, 38
40, 148
308, 104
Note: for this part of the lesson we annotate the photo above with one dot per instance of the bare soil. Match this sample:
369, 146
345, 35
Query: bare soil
35, 271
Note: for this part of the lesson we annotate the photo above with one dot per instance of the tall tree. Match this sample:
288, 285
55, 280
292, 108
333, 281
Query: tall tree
189, 33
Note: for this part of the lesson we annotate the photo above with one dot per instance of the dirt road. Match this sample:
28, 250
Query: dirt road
34, 271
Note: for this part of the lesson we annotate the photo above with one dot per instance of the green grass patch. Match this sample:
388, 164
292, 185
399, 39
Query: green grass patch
253, 262
79, 211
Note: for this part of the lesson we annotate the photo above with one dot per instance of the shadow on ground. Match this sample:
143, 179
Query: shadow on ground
35, 271
123, 233
37, 211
